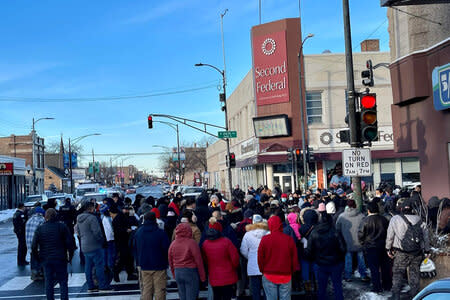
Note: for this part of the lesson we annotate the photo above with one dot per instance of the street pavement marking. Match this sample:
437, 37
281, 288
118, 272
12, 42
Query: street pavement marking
18, 283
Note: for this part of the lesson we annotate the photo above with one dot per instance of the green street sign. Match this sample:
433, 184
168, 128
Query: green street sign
227, 134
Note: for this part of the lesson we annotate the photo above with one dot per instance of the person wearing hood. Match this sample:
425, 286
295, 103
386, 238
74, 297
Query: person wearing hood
222, 260
348, 224
186, 264
249, 249
277, 261
202, 211
326, 248
30, 228
151, 247
189, 218
54, 253
309, 219
89, 230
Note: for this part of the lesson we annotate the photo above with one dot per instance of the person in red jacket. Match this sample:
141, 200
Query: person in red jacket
277, 261
186, 264
222, 260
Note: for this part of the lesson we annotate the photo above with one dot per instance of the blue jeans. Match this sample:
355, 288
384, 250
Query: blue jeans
276, 291
308, 269
255, 286
56, 271
335, 272
188, 283
349, 266
35, 265
110, 255
95, 259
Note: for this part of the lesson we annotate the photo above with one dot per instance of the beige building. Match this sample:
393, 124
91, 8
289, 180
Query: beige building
326, 105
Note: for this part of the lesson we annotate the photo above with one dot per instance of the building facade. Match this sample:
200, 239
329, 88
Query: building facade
12, 182
31, 148
420, 75
264, 160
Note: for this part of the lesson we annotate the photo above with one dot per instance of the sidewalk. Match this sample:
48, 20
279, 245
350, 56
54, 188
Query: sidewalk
6, 215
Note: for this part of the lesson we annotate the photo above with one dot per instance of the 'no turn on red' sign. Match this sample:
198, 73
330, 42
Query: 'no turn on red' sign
356, 162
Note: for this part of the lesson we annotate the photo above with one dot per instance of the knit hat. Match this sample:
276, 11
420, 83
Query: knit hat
274, 202
104, 208
39, 210
331, 208
284, 195
213, 224
321, 207
157, 213
248, 213
257, 219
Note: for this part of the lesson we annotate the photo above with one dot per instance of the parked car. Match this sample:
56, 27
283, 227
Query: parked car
31, 200
437, 290
99, 197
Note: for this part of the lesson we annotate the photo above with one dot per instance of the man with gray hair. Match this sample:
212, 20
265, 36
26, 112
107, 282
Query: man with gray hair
54, 246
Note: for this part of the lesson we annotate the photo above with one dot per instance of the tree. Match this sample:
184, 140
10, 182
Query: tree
54, 147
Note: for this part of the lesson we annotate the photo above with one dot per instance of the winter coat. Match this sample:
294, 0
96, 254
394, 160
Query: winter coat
32, 224
326, 247
184, 252
121, 235
250, 244
292, 219
348, 224
90, 232
196, 234
397, 229
151, 247
53, 242
67, 214
202, 211
277, 253
372, 232
221, 258
107, 226
19, 220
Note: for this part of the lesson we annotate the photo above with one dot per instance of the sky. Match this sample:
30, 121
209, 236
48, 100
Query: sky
72, 60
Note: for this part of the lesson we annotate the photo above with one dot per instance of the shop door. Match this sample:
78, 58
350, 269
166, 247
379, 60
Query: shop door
285, 181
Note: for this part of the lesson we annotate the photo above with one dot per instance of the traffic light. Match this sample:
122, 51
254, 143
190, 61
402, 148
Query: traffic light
367, 75
298, 154
150, 121
232, 160
289, 154
369, 122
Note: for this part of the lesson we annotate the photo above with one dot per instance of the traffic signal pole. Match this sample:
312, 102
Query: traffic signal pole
354, 132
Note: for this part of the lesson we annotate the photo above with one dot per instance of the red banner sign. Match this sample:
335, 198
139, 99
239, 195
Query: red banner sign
270, 68
6, 168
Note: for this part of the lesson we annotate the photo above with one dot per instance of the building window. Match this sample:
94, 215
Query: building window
387, 172
314, 107
410, 171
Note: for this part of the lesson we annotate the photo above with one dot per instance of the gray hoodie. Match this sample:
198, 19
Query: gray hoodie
348, 224
90, 232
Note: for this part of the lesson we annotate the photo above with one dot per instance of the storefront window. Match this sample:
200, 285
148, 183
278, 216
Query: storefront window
314, 107
410, 170
387, 172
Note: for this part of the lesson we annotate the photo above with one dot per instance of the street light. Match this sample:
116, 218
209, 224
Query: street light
33, 140
175, 127
223, 98
301, 71
76, 140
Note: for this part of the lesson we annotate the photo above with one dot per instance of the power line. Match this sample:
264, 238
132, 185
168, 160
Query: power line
110, 98
416, 16
139, 153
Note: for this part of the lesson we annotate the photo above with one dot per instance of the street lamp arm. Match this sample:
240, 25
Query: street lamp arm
172, 125
76, 140
211, 66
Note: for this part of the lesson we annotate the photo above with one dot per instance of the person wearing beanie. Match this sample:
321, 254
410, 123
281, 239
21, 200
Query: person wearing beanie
186, 263
277, 261
151, 246
157, 213
249, 249
348, 224
30, 228
221, 259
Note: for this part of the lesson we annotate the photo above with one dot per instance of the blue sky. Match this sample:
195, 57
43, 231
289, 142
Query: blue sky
91, 49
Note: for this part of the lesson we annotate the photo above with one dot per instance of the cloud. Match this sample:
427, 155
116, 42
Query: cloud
165, 9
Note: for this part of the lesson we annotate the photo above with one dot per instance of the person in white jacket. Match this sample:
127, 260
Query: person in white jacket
110, 251
249, 249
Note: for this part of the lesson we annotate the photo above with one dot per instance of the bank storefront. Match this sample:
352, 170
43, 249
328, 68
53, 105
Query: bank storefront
12, 181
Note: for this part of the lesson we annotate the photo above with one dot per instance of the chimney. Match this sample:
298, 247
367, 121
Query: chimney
370, 45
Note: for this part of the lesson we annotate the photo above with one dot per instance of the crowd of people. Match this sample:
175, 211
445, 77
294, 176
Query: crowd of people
267, 241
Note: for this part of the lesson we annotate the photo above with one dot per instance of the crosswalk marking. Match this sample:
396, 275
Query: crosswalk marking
16, 284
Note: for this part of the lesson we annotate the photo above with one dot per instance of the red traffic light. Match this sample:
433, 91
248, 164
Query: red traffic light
150, 118
232, 156
150, 121
368, 101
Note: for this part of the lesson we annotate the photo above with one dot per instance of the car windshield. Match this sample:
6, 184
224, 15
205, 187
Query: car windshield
193, 190
81, 192
33, 198
98, 198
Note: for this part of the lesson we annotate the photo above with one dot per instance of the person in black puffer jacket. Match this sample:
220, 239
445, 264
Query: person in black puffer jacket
202, 211
327, 249
372, 237
54, 246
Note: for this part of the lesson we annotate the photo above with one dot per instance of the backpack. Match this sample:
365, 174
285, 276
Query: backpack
411, 242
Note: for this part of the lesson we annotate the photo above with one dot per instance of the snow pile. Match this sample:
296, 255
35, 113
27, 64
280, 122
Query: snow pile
6, 215
374, 296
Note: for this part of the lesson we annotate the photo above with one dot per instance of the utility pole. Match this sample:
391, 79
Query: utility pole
179, 158
354, 132
70, 167
93, 163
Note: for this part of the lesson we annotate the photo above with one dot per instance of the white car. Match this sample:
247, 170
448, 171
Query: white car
192, 191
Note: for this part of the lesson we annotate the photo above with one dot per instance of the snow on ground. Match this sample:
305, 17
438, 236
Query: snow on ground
374, 296
6, 215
